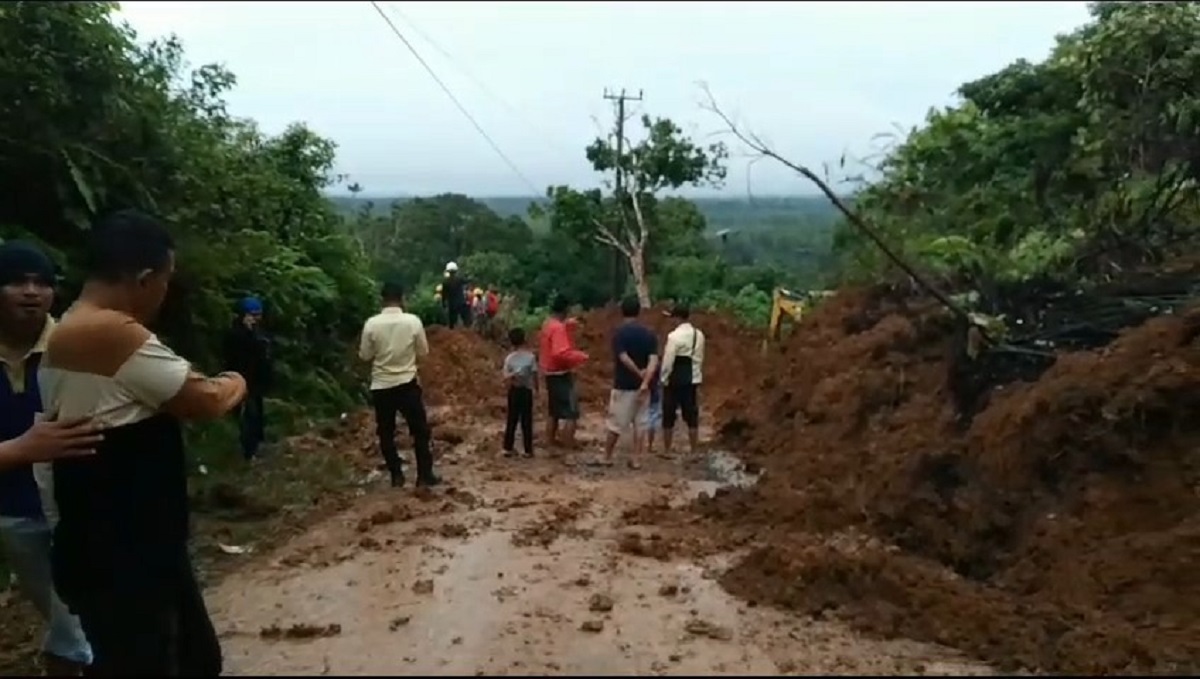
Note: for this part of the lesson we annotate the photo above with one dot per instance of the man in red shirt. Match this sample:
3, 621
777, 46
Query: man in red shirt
558, 358
493, 302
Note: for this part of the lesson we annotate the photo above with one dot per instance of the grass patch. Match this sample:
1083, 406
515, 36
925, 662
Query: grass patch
258, 506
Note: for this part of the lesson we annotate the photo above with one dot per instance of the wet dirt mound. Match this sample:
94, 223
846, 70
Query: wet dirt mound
1059, 531
731, 354
463, 368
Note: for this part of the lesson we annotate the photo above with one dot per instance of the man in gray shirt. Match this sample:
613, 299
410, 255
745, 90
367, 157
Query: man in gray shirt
520, 374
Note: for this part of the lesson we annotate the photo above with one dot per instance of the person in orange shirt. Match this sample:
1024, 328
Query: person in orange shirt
558, 359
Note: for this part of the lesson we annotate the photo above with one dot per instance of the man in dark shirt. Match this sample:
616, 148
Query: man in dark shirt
26, 293
248, 353
454, 296
635, 362
120, 554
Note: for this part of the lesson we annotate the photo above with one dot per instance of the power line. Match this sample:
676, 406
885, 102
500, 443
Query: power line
462, 109
538, 131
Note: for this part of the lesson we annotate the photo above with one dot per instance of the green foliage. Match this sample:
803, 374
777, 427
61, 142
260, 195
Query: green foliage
420, 300
750, 305
664, 159
633, 220
92, 121
1071, 168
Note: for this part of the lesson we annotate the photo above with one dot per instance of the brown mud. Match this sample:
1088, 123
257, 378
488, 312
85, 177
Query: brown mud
1058, 532
1054, 532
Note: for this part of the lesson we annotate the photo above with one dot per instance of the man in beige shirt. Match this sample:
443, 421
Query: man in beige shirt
393, 341
120, 555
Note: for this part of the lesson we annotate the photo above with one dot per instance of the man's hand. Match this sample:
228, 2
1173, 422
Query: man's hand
49, 440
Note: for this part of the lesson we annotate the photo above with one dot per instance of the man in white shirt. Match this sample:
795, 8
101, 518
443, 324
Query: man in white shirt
393, 341
682, 373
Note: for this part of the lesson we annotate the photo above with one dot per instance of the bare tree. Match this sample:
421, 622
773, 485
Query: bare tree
763, 150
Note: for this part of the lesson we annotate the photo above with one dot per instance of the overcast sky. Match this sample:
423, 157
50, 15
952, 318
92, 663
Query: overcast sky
814, 78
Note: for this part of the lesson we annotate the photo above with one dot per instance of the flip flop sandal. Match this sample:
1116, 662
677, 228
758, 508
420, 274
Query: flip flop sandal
634, 464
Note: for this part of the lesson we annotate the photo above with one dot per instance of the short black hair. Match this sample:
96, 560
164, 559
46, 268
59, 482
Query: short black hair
516, 337
392, 290
631, 307
560, 304
126, 243
681, 310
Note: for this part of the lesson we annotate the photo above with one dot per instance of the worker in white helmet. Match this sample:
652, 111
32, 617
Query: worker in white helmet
454, 297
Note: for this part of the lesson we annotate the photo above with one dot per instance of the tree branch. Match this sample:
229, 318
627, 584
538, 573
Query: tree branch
605, 235
754, 142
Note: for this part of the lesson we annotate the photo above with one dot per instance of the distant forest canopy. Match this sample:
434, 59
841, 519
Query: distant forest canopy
790, 233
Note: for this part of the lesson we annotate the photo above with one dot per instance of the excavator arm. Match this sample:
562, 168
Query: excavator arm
784, 304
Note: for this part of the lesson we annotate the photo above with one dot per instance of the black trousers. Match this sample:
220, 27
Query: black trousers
680, 399
456, 313
520, 411
251, 424
156, 631
407, 401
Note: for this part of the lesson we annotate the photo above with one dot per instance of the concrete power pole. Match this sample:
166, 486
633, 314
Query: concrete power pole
619, 264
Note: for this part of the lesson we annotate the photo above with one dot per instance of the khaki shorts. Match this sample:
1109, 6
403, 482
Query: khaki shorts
626, 408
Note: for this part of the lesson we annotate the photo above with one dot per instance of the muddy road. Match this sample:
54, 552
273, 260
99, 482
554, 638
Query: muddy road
523, 567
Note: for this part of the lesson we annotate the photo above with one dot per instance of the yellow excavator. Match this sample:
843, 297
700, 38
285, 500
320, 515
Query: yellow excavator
792, 305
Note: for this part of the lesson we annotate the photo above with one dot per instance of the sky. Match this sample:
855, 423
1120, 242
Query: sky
815, 79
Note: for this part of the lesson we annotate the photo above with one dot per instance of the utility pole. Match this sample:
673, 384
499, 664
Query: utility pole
618, 262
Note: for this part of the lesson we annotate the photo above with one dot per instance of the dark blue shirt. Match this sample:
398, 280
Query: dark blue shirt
18, 491
640, 343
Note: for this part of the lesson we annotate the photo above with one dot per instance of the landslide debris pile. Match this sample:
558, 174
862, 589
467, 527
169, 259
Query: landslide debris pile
1058, 531
462, 369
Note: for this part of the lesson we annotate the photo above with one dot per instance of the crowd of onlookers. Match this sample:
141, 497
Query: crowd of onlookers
94, 509
649, 389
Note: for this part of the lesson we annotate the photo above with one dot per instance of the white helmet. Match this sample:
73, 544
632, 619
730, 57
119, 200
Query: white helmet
451, 266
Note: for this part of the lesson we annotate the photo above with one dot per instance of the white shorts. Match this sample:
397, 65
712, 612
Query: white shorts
626, 408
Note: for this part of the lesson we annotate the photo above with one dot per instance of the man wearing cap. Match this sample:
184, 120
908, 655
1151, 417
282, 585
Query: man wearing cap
682, 373
248, 353
26, 293
454, 297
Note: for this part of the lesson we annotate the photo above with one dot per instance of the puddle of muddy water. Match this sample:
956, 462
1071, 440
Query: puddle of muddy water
722, 469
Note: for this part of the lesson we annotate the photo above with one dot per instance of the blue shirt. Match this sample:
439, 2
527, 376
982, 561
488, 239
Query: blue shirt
18, 407
640, 343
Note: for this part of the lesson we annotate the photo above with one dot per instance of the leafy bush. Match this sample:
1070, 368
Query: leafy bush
94, 121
